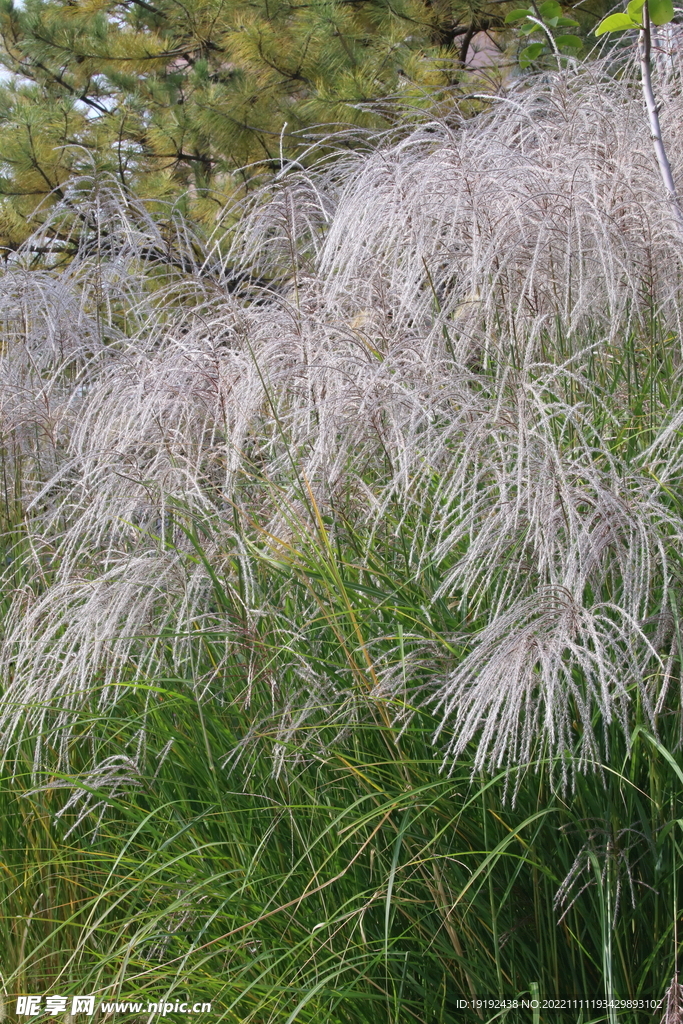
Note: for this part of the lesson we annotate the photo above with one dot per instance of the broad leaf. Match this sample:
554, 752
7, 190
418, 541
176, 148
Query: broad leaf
615, 23
550, 9
526, 30
530, 53
572, 41
518, 15
661, 11
635, 10
568, 22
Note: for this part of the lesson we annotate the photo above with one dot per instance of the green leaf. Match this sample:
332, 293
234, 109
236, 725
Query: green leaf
519, 14
635, 10
615, 23
665, 754
526, 30
661, 11
568, 22
550, 9
530, 53
573, 41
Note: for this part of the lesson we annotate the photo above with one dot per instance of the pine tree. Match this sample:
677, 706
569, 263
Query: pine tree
187, 100
190, 100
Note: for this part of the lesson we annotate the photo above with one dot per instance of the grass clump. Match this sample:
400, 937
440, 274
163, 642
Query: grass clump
342, 646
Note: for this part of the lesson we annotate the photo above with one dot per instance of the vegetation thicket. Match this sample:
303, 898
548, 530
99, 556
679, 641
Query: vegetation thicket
341, 638
342, 577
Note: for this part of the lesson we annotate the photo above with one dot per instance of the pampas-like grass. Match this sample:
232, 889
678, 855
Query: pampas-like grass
430, 340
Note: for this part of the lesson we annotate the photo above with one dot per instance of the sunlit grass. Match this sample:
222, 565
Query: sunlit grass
342, 647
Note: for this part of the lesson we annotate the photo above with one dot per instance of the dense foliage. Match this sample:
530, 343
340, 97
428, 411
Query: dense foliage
174, 99
341, 635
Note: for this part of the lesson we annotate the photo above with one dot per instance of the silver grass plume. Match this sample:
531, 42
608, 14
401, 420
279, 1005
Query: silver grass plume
673, 1003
